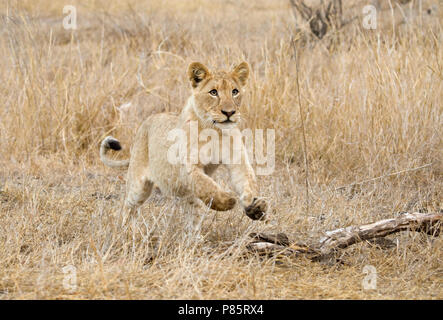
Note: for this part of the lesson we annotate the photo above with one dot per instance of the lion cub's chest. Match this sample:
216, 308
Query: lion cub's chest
209, 146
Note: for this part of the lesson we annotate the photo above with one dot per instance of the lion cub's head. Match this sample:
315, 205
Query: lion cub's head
218, 95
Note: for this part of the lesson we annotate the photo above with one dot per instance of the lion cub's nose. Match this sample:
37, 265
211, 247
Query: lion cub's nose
228, 113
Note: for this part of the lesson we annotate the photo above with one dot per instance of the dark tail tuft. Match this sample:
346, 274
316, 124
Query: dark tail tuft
111, 143
114, 145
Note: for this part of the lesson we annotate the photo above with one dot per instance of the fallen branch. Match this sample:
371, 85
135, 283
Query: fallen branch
268, 244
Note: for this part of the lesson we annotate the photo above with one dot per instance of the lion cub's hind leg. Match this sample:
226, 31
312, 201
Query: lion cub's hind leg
138, 183
138, 191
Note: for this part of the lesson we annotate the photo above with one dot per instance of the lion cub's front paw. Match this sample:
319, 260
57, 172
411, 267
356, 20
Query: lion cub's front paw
257, 209
223, 202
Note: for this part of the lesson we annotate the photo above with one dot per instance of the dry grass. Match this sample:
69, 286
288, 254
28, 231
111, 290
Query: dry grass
373, 105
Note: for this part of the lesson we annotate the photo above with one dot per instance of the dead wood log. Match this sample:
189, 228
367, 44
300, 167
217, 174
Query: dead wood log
269, 244
344, 237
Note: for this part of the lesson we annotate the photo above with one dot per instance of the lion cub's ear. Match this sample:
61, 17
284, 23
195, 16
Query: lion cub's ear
241, 72
196, 73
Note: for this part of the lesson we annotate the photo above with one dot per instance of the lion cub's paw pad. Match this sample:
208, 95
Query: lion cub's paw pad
257, 209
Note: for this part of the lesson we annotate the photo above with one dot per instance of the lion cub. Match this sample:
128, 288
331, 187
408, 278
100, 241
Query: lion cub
214, 104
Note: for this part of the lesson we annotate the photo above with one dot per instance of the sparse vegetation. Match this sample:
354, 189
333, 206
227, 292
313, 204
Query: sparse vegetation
372, 102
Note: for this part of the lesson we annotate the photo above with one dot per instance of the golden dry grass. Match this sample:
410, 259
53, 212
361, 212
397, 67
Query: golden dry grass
372, 103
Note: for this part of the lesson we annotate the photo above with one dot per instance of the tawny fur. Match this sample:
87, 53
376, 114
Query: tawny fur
149, 165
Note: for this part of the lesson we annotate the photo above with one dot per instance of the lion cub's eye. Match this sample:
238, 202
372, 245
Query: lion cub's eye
234, 92
213, 92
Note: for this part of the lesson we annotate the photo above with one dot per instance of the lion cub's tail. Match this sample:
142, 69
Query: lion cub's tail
111, 143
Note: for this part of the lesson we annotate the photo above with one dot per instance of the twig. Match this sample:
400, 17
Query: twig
305, 148
384, 176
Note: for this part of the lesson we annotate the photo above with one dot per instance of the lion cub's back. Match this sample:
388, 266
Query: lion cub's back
161, 123
159, 126
162, 172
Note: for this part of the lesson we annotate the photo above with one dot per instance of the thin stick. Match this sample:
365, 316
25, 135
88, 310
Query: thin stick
384, 176
305, 148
